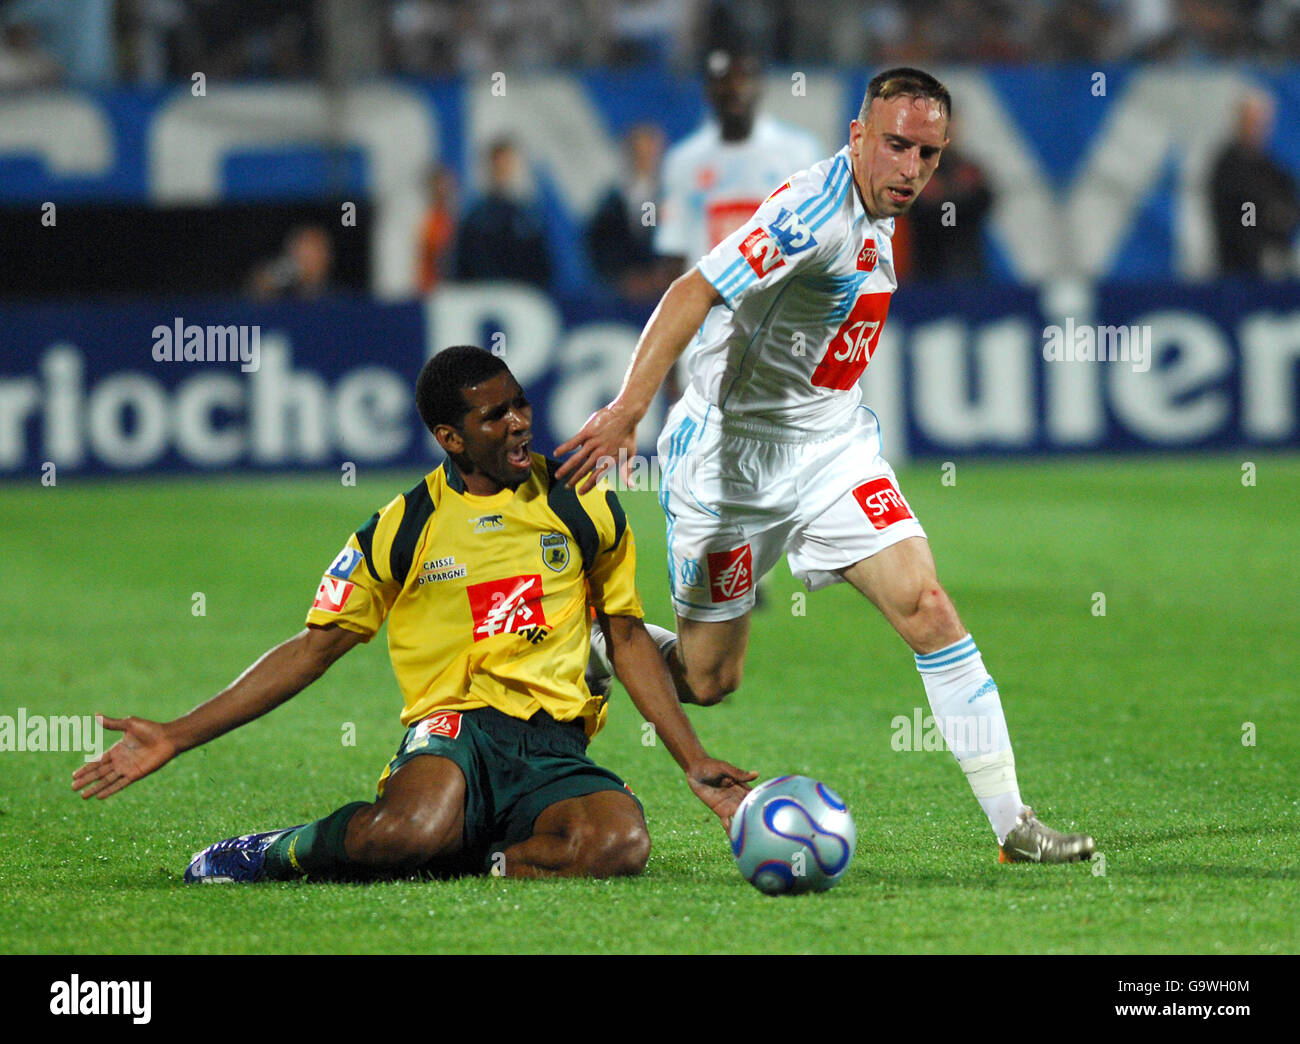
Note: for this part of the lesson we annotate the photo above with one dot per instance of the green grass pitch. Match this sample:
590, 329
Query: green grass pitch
1166, 727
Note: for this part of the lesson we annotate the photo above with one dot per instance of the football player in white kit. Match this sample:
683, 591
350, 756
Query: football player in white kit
771, 450
715, 178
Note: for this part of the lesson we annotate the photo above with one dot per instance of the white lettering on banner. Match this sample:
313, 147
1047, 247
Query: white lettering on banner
1003, 412
1178, 402
1074, 413
1270, 347
957, 384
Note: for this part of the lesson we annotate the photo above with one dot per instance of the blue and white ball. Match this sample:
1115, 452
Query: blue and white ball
792, 834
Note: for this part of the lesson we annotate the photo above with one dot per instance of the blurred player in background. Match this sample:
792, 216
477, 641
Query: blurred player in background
770, 451
484, 572
715, 179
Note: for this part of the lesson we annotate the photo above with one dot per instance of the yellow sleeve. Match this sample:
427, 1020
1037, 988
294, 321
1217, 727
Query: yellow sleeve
611, 580
357, 591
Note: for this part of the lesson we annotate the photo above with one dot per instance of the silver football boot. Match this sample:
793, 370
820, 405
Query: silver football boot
1032, 842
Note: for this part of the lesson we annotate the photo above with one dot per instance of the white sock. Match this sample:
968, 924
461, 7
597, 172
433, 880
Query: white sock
663, 638
968, 709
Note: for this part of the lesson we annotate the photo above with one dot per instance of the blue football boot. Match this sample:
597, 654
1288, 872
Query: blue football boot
238, 859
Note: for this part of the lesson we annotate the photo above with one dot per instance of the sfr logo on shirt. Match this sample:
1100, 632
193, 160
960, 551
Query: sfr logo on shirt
762, 252
731, 573
867, 256
513, 605
883, 504
851, 346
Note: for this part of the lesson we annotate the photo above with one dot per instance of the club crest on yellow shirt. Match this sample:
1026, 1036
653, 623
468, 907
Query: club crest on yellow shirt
555, 551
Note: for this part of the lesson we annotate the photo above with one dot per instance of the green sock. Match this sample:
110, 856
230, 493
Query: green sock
314, 850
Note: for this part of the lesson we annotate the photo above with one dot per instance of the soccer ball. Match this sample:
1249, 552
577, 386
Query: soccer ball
792, 834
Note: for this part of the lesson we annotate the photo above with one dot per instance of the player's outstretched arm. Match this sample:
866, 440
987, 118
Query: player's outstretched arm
640, 667
673, 323
147, 746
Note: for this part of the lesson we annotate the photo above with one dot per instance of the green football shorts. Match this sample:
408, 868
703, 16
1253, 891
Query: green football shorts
514, 769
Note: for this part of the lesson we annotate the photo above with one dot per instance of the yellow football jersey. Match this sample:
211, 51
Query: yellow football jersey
486, 597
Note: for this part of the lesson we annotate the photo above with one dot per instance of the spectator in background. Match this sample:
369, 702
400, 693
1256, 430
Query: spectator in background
947, 221
503, 235
23, 62
1255, 205
437, 239
620, 237
302, 271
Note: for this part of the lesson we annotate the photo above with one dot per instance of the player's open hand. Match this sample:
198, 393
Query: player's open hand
143, 748
607, 440
720, 785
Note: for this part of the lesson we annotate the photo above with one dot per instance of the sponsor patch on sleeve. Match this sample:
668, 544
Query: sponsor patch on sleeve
762, 252
341, 568
791, 232
332, 595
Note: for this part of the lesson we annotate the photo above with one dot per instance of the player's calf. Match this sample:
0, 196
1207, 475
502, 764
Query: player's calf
710, 659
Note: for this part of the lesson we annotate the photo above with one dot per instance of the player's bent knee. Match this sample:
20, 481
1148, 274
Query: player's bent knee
713, 687
622, 852
617, 846
935, 623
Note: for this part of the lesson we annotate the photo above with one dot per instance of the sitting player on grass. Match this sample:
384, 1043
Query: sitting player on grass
484, 572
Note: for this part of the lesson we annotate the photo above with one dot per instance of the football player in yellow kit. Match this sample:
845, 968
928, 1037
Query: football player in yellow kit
486, 572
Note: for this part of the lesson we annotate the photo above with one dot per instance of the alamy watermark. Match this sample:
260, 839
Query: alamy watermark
630, 474
72, 996
189, 342
957, 732
1085, 343
54, 732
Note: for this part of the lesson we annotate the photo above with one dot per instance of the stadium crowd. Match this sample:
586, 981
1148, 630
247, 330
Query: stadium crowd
156, 41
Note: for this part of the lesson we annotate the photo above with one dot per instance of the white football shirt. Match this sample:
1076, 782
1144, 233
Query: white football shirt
711, 187
806, 283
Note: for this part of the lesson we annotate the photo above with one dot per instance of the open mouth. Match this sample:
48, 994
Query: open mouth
520, 457
899, 195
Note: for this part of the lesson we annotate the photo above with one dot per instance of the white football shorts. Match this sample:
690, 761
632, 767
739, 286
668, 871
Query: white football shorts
739, 493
